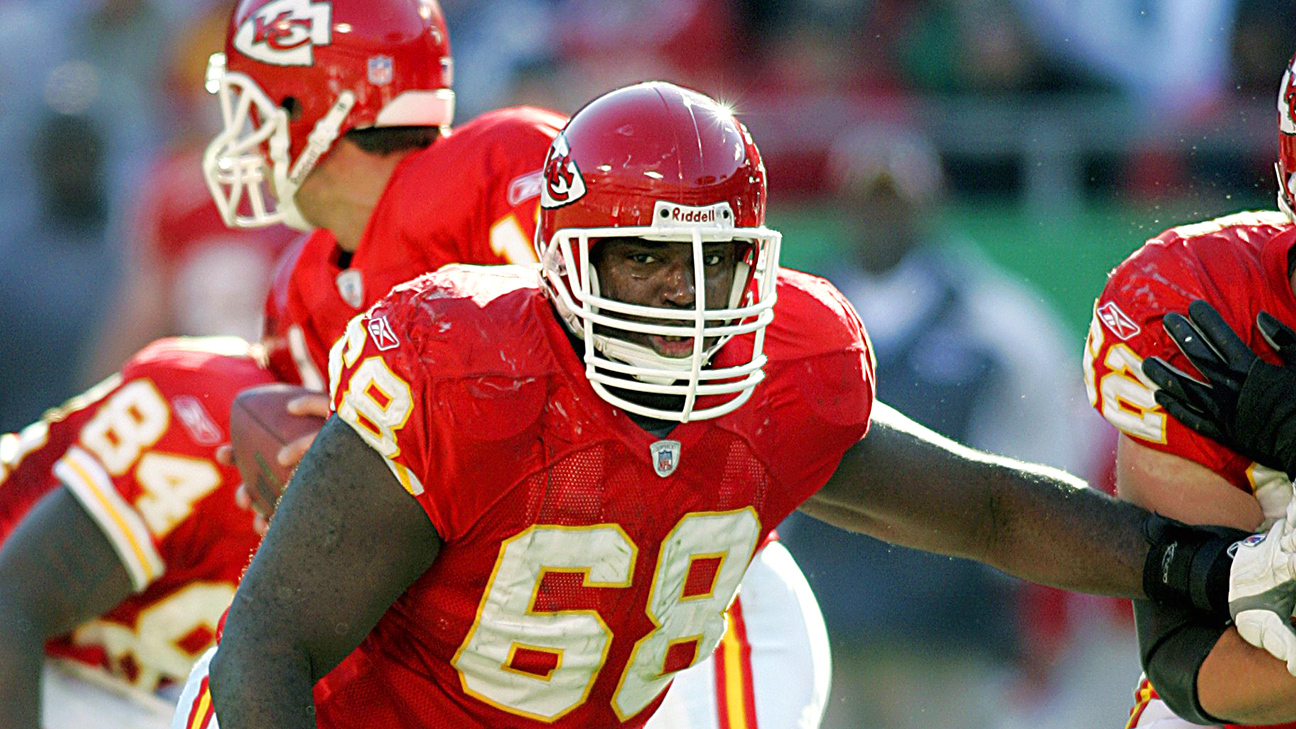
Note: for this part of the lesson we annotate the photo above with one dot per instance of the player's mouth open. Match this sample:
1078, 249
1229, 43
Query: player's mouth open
671, 346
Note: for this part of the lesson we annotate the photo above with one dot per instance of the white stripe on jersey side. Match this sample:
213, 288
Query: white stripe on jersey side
124, 527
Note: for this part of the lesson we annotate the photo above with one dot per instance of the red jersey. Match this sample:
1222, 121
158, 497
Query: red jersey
573, 580
216, 278
137, 452
470, 197
1239, 264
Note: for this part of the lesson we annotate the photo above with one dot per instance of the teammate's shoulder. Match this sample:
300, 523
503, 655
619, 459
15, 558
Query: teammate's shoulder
1191, 261
1201, 248
499, 153
811, 317
197, 358
478, 316
513, 133
1244, 228
514, 120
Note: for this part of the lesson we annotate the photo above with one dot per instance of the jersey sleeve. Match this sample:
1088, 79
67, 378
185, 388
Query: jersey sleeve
471, 198
1126, 329
143, 462
820, 348
395, 379
27, 457
505, 175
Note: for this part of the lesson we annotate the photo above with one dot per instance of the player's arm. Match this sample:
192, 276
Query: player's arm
907, 485
57, 570
346, 541
1194, 664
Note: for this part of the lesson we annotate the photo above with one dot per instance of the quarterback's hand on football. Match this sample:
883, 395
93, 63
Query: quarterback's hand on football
244, 501
1246, 404
225, 457
317, 404
1262, 590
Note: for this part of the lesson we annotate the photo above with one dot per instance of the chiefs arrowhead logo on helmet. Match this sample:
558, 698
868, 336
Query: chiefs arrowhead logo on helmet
1286, 165
285, 32
563, 183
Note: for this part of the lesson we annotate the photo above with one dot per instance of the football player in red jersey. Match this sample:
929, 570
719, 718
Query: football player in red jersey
120, 544
1242, 265
393, 192
540, 491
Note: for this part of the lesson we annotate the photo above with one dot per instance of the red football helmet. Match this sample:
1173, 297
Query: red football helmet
282, 337
1287, 142
297, 74
663, 163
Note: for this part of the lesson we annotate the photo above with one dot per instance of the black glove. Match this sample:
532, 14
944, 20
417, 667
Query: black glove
1249, 405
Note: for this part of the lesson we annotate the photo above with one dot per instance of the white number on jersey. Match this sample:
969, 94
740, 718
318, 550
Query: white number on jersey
497, 661
1124, 394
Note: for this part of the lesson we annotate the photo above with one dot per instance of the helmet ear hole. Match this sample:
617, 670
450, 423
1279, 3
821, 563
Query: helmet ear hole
291, 105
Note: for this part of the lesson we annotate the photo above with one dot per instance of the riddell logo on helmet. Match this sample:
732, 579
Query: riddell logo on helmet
680, 215
667, 214
285, 32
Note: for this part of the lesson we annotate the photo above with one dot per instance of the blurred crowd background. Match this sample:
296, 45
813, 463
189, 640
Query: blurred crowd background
965, 170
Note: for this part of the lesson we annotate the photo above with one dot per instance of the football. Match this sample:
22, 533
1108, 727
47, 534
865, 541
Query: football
260, 425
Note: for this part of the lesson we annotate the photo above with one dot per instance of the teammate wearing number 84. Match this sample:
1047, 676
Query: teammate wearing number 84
542, 486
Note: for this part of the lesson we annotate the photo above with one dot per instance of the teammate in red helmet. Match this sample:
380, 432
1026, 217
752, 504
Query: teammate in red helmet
541, 488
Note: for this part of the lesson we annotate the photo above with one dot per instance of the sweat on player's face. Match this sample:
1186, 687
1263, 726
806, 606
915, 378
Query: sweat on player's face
663, 274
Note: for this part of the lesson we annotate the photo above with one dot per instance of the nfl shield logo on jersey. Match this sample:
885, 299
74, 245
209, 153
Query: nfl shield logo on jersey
350, 287
380, 70
665, 456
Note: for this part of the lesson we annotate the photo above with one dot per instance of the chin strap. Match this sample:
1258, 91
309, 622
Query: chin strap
317, 144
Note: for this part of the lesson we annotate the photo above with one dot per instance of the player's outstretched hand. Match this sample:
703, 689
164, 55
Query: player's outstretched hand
1246, 403
1262, 590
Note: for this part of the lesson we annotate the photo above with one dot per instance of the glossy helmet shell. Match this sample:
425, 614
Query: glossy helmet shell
663, 163
1287, 142
297, 74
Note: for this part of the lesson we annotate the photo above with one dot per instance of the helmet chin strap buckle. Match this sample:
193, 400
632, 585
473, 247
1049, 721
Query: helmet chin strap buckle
319, 142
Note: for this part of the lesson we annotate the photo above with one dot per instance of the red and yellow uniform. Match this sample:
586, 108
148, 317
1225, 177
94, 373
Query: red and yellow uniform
1239, 264
137, 452
574, 581
470, 197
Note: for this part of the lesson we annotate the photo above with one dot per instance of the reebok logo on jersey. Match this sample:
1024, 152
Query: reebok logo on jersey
285, 32
383, 336
563, 183
1117, 321
196, 420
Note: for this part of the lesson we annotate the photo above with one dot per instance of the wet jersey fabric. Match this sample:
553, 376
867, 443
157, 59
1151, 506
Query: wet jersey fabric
585, 560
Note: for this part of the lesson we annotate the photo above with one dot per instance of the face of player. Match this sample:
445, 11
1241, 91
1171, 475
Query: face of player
660, 274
